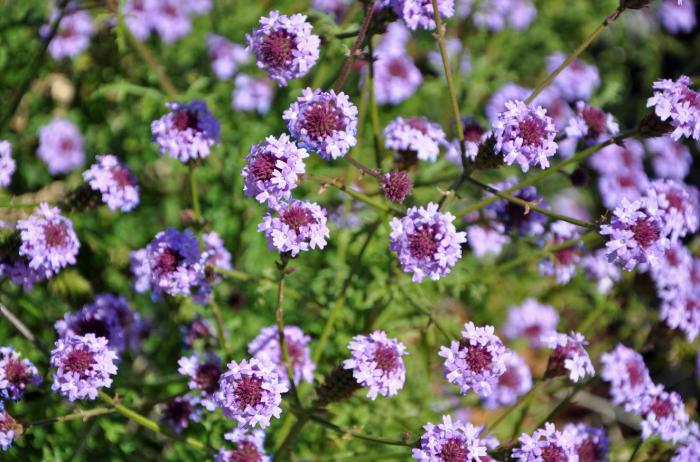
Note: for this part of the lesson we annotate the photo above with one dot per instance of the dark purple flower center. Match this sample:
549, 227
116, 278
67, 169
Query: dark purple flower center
67, 144
473, 132
510, 378
386, 357
635, 372
558, 358
628, 159
122, 176
453, 450
532, 130
418, 123
55, 234
182, 120
423, 243
477, 357
263, 166
297, 216
178, 412
7, 423
596, 120
534, 331
207, 377
567, 256
553, 453
16, 373
397, 68
296, 353
587, 452
646, 232
248, 391
92, 325
322, 119
277, 48
662, 408
626, 181
245, 452
169, 9
673, 258
397, 185
79, 361
168, 261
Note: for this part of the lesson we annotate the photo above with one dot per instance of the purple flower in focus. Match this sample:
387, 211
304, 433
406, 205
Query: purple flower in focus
284, 46
635, 235
179, 411
677, 204
225, 56
324, 122
61, 146
415, 135
426, 242
188, 132
175, 265
16, 373
670, 159
204, 374
252, 94
114, 181
525, 134
663, 414
250, 392
677, 17
297, 227
73, 34
451, 441
678, 105
546, 445
577, 81
266, 347
49, 242
9, 428
597, 266
512, 384
419, 14
495, 15
590, 443
7, 164
376, 363
569, 355
272, 170
514, 217
531, 319
250, 447
83, 364
476, 361
627, 374
562, 263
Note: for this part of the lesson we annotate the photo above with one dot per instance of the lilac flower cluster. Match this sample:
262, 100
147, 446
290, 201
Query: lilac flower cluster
598, 267
215, 254
16, 374
621, 172
252, 94
225, 56
415, 136
266, 347
376, 363
677, 17
531, 319
562, 265
590, 125
496, 15
7, 164
61, 146
250, 446
670, 159
295, 227
284, 46
204, 373
187, 133
512, 384
426, 242
545, 445
73, 33
569, 356
396, 76
452, 441
170, 19
180, 411
9, 428
590, 443
678, 105
419, 14
115, 183
577, 81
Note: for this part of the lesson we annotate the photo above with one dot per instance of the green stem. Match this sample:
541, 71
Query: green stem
363, 168
354, 434
286, 445
419, 306
220, 331
374, 111
84, 415
279, 316
560, 405
196, 207
636, 449
369, 11
357, 195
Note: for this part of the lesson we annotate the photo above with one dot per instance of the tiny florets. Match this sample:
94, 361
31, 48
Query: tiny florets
188, 132
295, 227
114, 182
16, 374
452, 442
415, 135
266, 347
569, 356
677, 104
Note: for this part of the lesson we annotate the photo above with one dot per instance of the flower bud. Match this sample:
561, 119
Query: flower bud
652, 127
339, 385
396, 186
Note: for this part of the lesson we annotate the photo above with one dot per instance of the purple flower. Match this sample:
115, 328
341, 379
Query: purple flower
252, 94
614, 158
204, 374
114, 181
677, 204
557, 108
18, 271
73, 35
284, 46
266, 347
426, 242
689, 449
198, 7
495, 15
138, 18
417, 136
272, 170
16, 373
674, 270
140, 270
597, 266
169, 18
590, 443
627, 374
508, 92
95, 318
591, 124
188, 132
476, 361
627, 184
396, 76
677, 104
531, 319
486, 239
61, 146
376, 363
525, 134
663, 414
677, 17
324, 122
199, 328
419, 14
396, 186
336, 8
7, 164
670, 159
681, 310
251, 392
250, 446
225, 56
562, 263
569, 355
9, 428
474, 134
178, 412
513, 383
297, 227
546, 445
635, 235
452, 441
175, 265
48, 240
460, 60
215, 253
514, 217
84, 364
577, 81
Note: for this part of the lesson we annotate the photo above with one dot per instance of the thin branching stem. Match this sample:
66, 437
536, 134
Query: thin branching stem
369, 11
279, 317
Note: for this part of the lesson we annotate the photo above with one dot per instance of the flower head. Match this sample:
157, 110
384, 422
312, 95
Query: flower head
597, 266
678, 105
284, 46
677, 17
680, 309
562, 265
497, 102
396, 77
61, 146
225, 56
689, 449
9, 428
495, 15
376, 363
73, 34
16, 373
396, 186
416, 135
178, 412
546, 445
7, 164
452, 442
252, 94
266, 347
250, 447
474, 134
99, 318
188, 132
591, 124
204, 373
114, 181
272, 170
295, 227
577, 81
627, 374
426, 242
84, 364
678, 206
590, 443
477, 361
324, 122
169, 18
419, 14
512, 384
531, 319
215, 252
663, 414
250, 392
670, 159
569, 356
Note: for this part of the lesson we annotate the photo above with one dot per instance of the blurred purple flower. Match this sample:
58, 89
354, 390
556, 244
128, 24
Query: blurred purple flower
577, 81
266, 347
252, 94
597, 266
590, 443
7, 164
225, 56
215, 253
250, 447
416, 135
561, 264
9, 428
663, 414
495, 15
670, 159
512, 384
204, 373
73, 34
115, 183
169, 18
531, 319
514, 217
179, 411
419, 14
627, 374
61, 146
677, 204
591, 124
474, 134
16, 373
612, 159
677, 17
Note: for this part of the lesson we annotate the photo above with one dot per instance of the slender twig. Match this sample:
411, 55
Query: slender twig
279, 317
357, 195
374, 110
341, 35
196, 207
83, 415
369, 11
636, 449
220, 330
363, 168
354, 434
22, 328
